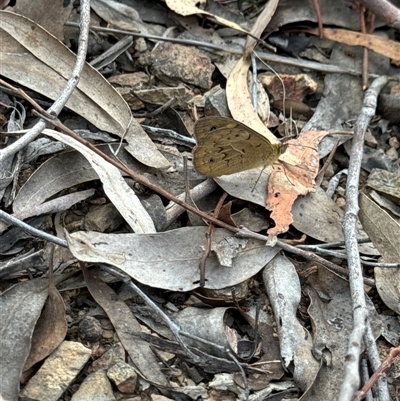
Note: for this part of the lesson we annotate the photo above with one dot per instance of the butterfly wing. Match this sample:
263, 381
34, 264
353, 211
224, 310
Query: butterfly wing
225, 146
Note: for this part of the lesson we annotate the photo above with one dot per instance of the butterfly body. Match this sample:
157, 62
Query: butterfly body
226, 146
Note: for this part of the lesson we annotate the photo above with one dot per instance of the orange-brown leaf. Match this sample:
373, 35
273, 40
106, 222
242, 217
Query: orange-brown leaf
292, 176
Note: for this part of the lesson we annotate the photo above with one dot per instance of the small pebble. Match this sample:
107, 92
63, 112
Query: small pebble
90, 329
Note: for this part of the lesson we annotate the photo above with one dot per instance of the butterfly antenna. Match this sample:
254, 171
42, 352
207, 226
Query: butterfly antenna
258, 179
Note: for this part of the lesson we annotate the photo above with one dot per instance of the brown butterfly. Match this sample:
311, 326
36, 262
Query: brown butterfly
226, 146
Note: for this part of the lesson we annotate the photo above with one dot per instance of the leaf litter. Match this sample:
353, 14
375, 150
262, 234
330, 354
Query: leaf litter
184, 340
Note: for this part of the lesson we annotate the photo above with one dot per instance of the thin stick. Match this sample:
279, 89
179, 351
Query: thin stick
394, 352
70, 85
319, 18
207, 246
351, 378
328, 161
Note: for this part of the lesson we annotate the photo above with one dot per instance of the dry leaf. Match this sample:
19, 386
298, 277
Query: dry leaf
20, 307
123, 16
384, 46
170, 259
319, 217
293, 177
383, 231
50, 15
53, 206
239, 100
36, 59
63, 170
237, 91
50, 329
189, 7
330, 310
284, 292
259, 26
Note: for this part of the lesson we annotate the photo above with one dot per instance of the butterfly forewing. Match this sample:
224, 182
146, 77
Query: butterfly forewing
225, 146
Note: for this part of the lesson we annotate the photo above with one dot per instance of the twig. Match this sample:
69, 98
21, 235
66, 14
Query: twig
337, 254
173, 210
170, 134
351, 378
334, 182
31, 230
59, 104
319, 18
384, 10
365, 377
254, 89
207, 246
375, 362
155, 112
394, 352
21, 93
331, 244
320, 176
365, 68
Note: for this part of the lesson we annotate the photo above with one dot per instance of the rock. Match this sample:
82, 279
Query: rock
124, 377
90, 329
97, 387
103, 218
108, 359
157, 397
172, 64
57, 372
216, 103
135, 80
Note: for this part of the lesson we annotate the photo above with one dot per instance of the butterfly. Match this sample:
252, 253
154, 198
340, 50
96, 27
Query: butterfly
226, 146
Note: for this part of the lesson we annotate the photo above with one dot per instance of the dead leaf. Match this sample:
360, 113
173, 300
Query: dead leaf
50, 15
170, 259
384, 46
284, 292
123, 16
319, 217
189, 7
259, 26
239, 100
293, 177
386, 183
213, 325
384, 233
20, 308
50, 329
62, 171
53, 206
333, 13
237, 91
